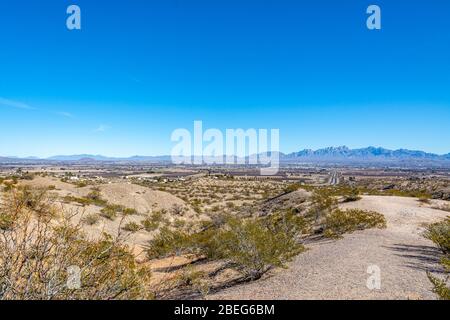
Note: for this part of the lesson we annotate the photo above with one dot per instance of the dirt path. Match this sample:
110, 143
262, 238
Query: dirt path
338, 269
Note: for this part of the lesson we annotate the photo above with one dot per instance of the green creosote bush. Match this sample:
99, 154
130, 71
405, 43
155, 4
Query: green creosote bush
149, 224
81, 184
322, 203
90, 219
108, 211
351, 195
339, 222
439, 233
251, 246
155, 220
6, 221
111, 211
132, 227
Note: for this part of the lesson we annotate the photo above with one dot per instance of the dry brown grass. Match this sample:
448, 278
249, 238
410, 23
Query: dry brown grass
39, 244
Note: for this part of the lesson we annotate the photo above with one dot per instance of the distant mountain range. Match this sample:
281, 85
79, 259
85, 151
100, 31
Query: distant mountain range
341, 154
90, 157
369, 153
85, 158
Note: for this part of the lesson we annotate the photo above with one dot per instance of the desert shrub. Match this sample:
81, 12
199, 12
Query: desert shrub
27, 176
291, 188
132, 227
81, 184
444, 207
82, 201
168, 242
322, 203
6, 221
149, 224
158, 215
439, 233
34, 199
155, 220
90, 219
109, 212
252, 246
129, 211
230, 205
9, 185
194, 279
177, 210
350, 195
343, 190
178, 223
440, 287
255, 246
339, 222
94, 197
37, 251
424, 200
413, 193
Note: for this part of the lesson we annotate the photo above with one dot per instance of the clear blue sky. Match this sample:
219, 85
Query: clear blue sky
139, 69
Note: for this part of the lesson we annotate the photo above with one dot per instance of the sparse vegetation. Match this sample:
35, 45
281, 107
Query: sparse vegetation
108, 211
132, 227
177, 210
150, 225
351, 195
226, 229
91, 219
439, 233
81, 184
322, 203
82, 201
353, 192
6, 221
94, 197
251, 246
255, 246
340, 222
36, 253
443, 207
129, 211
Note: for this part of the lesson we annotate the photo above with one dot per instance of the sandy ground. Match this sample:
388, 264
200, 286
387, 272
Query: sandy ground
144, 200
338, 269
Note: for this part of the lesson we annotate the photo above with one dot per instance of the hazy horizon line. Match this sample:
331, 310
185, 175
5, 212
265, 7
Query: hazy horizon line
224, 155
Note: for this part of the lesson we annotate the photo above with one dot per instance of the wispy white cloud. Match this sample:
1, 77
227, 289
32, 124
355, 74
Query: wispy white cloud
65, 114
15, 104
102, 128
136, 80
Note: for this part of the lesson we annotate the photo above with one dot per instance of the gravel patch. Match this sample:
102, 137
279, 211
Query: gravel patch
339, 269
